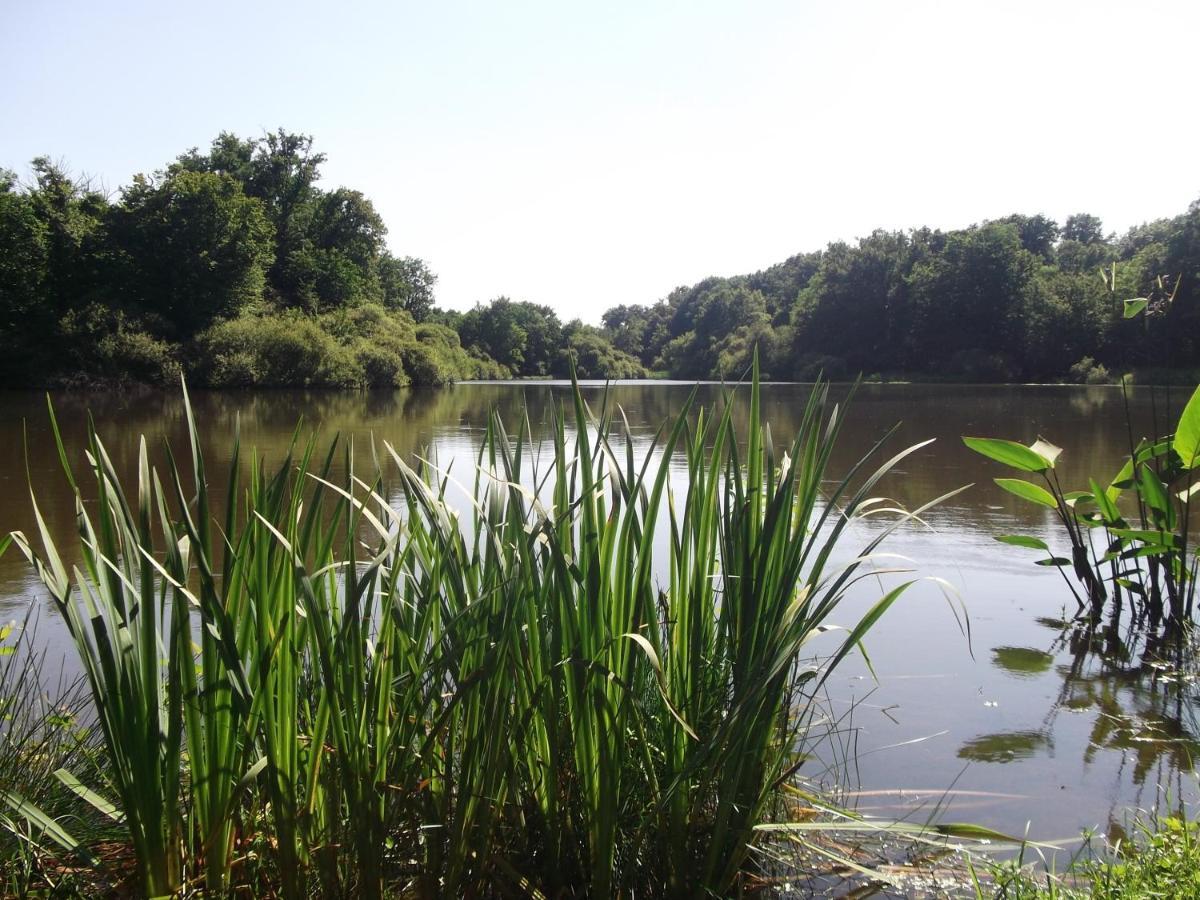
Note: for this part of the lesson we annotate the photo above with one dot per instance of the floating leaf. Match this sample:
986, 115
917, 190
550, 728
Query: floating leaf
1018, 456
1004, 747
1027, 490
1023, 662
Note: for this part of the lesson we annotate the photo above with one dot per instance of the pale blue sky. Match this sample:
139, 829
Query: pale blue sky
583, 155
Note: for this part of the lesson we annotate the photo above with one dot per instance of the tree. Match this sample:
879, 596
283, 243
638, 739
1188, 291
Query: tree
1084, 228
197, 248
967, 298
1038, 234
407, 283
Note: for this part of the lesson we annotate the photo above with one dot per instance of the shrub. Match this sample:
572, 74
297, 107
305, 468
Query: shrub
282, 349
109, 345
596, 357
1088, 371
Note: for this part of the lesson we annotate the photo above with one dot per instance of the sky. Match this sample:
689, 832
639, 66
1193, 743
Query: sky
584, 155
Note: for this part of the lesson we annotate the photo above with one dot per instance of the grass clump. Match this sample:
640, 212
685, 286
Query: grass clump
1161, 859
560, 672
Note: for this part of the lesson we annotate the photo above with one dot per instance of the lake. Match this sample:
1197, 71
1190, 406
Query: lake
1031, 721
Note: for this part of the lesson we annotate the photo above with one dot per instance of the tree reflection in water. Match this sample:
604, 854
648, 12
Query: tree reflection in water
1140, 686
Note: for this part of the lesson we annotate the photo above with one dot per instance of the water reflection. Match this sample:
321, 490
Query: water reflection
1137, 688
1078, 706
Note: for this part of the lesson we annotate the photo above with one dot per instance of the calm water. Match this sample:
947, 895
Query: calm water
1029, 722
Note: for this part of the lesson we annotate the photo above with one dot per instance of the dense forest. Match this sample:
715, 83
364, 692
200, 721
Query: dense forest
235, 266
1019, 298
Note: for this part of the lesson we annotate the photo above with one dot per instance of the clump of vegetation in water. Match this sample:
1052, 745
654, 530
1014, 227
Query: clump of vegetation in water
478, 689
1161, 859
1141, 552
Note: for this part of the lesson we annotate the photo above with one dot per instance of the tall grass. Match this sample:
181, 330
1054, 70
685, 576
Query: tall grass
567, 671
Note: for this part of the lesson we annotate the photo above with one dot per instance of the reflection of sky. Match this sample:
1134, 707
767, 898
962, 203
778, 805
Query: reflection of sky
1073, 744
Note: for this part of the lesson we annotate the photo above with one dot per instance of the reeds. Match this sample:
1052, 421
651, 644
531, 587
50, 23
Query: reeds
576, 675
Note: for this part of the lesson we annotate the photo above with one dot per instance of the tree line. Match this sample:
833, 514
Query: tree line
235, 266
1018, 298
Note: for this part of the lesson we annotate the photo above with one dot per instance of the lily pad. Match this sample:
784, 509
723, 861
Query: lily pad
1023, 662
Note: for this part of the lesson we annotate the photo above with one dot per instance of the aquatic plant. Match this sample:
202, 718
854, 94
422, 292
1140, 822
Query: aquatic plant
1144, 551
565, 671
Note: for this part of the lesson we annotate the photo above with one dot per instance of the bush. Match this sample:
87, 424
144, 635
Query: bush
283, 349
108, 345
1088, 371
452, 357
596, 357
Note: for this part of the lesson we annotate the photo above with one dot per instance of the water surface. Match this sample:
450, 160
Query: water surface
1032, 722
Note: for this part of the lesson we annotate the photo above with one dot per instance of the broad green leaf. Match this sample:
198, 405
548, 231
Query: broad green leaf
1020, 540
1186, 494
1135, 305
1148, 450
1106, 503
1153, 538
1154, 492
1187, 433
1027, 490
1054, 561
1018, 456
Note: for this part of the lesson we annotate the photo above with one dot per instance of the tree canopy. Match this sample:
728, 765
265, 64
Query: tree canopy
1015, 298
237, 265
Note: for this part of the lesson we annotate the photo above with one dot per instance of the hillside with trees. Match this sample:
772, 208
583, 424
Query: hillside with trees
1018, 298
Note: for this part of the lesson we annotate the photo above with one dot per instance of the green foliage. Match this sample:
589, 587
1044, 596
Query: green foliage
1143, 553
273, 351
1017, 298
407, 284
194, 248
594, 356
111, 345
245, 229
209, 256
1160, 859
362, 347
347, 691
1088, 371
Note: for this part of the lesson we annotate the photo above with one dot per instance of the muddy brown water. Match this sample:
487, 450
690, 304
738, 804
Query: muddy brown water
1032, 724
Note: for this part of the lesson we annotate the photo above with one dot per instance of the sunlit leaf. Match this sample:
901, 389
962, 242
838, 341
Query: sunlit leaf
1134, 305
1018, 456
1187, 433
1026, 490
1021, 540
